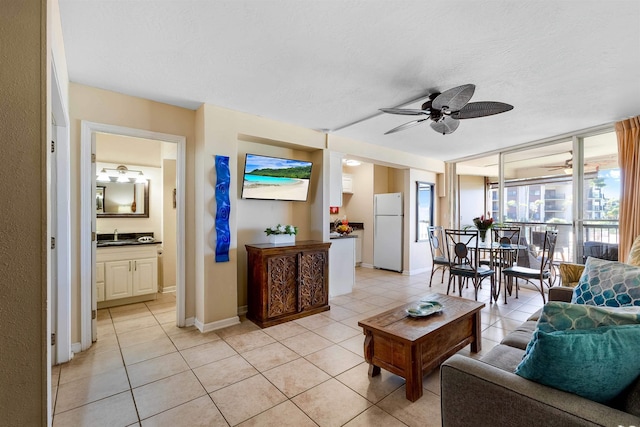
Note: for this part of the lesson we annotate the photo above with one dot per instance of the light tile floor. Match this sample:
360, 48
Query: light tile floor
144, 371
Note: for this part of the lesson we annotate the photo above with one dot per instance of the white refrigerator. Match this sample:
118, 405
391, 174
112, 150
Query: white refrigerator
387, 231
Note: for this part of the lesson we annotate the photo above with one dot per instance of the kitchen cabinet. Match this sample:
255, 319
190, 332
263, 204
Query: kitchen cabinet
335, 179
100, 281
128, 271
342, 273
287, 282
347, 183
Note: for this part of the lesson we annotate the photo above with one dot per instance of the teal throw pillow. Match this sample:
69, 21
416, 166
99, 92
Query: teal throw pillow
561, 316
608, 283
597, 364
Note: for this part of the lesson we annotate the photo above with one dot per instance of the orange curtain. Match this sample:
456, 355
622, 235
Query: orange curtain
628, 132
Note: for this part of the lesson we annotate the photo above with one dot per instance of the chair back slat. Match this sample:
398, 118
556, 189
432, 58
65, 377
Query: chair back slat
463, 247
437, 242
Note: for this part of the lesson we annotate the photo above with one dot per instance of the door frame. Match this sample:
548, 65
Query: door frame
87, 185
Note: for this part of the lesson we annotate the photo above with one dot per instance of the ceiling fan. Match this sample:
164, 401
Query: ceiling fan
590, 163
447, 108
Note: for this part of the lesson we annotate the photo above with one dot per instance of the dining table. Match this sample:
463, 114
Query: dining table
500, 256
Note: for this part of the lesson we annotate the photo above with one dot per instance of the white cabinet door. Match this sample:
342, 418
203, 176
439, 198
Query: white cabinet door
347, 183
118, 279
360, 234
335, 179
100, 281
145, 276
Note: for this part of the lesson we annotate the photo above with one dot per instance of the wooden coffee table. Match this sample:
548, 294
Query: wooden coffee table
410, 347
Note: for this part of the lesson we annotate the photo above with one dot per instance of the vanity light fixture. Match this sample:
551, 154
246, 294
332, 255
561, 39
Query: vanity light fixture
352, 162
121, 174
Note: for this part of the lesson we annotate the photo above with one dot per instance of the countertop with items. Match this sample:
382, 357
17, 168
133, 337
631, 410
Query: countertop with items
108, 240
355, 226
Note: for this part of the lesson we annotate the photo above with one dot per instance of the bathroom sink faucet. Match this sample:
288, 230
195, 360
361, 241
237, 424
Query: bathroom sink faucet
115, 234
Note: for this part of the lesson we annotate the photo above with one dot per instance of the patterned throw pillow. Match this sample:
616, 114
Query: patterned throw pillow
634, 254
579, 348
562, 316
608, 283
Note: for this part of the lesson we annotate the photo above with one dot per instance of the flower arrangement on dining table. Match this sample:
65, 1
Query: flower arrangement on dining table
483, 223
282, 229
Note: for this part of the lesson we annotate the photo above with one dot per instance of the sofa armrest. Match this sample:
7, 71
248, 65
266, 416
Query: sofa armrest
570, 273
560, 293
474, 393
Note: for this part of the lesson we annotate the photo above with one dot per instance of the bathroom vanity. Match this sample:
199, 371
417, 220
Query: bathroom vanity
126, 271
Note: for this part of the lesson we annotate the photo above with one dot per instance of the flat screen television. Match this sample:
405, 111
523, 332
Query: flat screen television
274, 178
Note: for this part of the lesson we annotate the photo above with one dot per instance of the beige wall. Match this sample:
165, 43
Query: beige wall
25, 113
253, 216
169, 223
137, 225
419, 252
101, 106
472, 197
222, 286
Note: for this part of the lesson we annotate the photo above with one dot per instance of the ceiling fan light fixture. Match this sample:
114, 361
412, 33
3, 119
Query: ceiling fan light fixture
453, 104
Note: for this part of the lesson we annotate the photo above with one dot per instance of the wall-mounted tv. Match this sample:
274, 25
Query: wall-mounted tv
274, 178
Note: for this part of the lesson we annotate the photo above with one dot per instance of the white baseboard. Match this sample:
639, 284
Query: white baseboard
363, 265
417, 271
168, 289
242, 310
189, 321
219, 324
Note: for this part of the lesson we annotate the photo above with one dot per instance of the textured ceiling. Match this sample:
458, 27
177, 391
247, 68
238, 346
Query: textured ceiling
565, 65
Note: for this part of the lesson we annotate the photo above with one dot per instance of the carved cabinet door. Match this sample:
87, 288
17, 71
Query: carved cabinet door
312, 274
281, 289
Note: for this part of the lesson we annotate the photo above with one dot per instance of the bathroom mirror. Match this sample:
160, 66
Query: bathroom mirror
122, 200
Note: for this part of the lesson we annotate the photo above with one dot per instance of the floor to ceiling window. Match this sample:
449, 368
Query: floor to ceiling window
539, 192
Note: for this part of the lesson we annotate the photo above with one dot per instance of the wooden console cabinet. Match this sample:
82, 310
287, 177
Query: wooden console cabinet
286, 282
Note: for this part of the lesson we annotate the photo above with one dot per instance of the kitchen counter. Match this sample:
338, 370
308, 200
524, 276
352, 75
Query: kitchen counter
342, 273
354, 225
108, 240
343, 236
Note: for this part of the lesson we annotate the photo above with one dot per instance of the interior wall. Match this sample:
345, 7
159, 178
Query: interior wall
471, 198
221, 132
251, 225
419, 252
169, 225
101, 106
359, 205
137, 225
120, 149
26, 130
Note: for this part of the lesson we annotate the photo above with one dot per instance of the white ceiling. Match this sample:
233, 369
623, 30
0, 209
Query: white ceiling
565, 65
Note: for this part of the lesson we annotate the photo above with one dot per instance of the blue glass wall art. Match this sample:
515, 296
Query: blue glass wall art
223, 208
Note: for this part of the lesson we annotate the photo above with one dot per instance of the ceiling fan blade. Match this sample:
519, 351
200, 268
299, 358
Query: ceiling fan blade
405, 126
481, 109
405, 111
454, 99
448, 125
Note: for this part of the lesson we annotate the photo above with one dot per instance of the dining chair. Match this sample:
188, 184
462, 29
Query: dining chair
464, 261
439, 253
504, 235
545, 275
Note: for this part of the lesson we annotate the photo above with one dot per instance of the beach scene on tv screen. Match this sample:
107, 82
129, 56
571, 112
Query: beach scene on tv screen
275, 178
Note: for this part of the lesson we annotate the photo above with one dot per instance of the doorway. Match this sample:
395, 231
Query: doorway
88, 303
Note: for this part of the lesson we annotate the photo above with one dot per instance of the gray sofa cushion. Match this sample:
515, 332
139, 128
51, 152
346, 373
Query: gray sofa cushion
504, 357
521, 336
